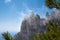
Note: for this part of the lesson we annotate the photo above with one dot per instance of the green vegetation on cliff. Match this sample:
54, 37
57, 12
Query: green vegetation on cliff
52, 32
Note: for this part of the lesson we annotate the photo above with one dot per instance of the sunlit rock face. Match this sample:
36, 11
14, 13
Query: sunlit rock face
30, 26
34, 24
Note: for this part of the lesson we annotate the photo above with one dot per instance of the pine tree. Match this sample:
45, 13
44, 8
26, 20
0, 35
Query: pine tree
52, 4
7, 36
52, 32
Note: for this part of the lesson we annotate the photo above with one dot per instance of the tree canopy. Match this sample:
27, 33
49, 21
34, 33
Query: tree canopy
52, 32
7, 36
52, 4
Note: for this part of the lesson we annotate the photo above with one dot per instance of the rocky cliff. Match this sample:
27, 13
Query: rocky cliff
34, 24
30, 26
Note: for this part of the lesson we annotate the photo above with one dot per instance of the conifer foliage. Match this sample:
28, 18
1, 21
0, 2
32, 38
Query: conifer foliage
7, 36
52, 4
52, 32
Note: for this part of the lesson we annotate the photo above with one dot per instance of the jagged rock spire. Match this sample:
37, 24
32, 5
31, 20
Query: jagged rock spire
37, 16
30, 26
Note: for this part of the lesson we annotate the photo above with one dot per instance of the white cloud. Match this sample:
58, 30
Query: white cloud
7, 1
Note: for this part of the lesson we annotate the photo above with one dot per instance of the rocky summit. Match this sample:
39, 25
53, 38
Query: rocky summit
34, 24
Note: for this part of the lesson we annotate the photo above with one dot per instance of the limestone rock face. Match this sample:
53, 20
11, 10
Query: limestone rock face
34, 24
30, 26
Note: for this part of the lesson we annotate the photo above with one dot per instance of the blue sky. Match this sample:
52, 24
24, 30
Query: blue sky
12, 12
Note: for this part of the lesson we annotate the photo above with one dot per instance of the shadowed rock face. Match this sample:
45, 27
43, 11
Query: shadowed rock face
31, 25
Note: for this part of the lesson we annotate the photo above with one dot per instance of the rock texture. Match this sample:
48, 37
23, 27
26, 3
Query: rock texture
34, 24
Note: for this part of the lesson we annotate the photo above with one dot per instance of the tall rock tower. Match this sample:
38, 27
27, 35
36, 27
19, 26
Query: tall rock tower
30, 26
47, 16
34, 24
